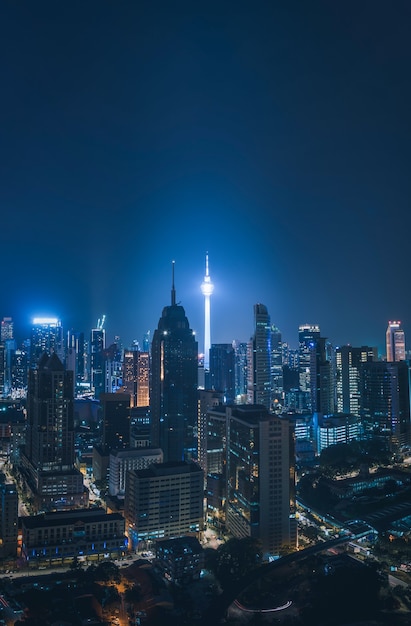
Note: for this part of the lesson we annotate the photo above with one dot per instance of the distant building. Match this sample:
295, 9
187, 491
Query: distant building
385, 401
308, 334
180, 560
164, 501
48, 459
122, 461
259, 359
337, 429
395, 340
115, 409
260, 477
207, 400
222, 370
57, 538
321, 378
348, 376
46, 336
136, 377
97, 365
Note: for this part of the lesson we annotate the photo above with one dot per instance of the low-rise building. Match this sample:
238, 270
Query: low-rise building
59, 537
180, 560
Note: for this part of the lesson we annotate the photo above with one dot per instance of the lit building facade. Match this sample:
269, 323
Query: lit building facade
395, 342
48, 459
348, 371
308, 334
122, 461
46, 336
259, 359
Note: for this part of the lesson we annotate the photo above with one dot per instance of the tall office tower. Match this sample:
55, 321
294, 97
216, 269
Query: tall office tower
122, 461
385, 401
276, 364
48, 459
240, 350
19, 367
115, 409
165, 500
207, 401
222, 370
75, 358
136, 377
395, 339
207, 289
259, 359
173, 395
321, 378
46, 336
6, 331
146, 342
97, 365
9, 517
348, 369
307, 336
260, 477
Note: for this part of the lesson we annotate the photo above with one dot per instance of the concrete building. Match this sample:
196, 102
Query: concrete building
122, 461
164, 501
9, 502
260, 478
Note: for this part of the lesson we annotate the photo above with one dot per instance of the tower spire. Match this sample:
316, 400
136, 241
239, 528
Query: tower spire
173, 290
207, 289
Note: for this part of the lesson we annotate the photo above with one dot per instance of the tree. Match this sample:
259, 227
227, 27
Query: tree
235, 558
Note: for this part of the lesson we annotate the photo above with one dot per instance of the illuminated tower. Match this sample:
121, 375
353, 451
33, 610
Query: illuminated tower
46, 336
207, 289
395, 342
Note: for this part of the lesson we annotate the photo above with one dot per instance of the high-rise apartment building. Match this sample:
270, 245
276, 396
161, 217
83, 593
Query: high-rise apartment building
395, 341
6, 330
48, 459
348, 371
209, 445
260, 477
259, 359
173, 395
46, 336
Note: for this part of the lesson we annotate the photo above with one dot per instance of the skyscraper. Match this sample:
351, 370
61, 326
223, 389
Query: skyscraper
46, 336
173, 396
321, 379
97, 347
348, 369
207, 289
395, 340
136, 376
259, 359
307, 336
48, 459
222, 370
385, 401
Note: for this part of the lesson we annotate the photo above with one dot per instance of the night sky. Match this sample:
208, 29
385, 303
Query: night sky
274, 135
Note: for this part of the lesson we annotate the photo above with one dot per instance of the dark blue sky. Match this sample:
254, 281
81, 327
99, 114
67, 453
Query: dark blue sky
275, 135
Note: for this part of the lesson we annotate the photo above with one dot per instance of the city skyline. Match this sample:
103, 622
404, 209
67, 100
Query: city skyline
274, 138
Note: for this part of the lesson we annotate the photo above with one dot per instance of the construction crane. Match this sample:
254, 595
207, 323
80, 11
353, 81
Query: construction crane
100, 323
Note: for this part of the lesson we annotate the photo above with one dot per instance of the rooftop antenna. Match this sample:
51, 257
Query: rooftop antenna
173, 291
